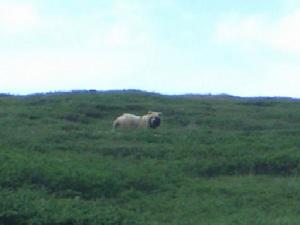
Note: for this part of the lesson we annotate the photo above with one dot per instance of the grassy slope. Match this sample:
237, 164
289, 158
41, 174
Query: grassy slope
215, 160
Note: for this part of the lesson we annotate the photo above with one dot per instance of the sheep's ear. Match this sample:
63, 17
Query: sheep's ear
160, 113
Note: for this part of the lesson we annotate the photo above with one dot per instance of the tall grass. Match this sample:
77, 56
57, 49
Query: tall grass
214, 160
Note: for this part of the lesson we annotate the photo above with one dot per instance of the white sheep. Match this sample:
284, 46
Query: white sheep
131, 121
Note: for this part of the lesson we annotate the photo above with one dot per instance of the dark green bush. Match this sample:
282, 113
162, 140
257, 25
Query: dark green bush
25, 206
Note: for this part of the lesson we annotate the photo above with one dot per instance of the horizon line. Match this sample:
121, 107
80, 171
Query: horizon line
139, 91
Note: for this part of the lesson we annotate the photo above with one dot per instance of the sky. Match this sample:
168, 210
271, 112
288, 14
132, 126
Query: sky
241, 48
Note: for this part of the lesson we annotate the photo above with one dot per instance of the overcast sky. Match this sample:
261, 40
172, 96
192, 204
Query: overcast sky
242, 48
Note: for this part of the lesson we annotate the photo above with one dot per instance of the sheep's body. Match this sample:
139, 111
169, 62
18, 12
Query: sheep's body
131, 121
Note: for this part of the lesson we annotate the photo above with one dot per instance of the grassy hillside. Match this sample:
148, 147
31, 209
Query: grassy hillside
215, 160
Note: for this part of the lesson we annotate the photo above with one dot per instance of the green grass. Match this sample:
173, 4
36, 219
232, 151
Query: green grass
215, 160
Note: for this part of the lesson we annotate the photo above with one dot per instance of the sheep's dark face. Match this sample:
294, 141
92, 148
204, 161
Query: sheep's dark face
154, 122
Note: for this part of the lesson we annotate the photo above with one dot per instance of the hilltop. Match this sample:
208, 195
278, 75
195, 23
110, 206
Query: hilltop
214, 160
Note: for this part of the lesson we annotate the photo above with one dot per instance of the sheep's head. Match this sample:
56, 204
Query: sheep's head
154, 119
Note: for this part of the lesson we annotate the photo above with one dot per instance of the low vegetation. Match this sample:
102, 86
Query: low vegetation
215, 160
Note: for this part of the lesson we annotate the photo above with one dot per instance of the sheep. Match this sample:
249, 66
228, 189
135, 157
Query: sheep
131, 121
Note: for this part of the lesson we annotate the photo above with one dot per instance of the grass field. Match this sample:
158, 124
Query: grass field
215, 160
